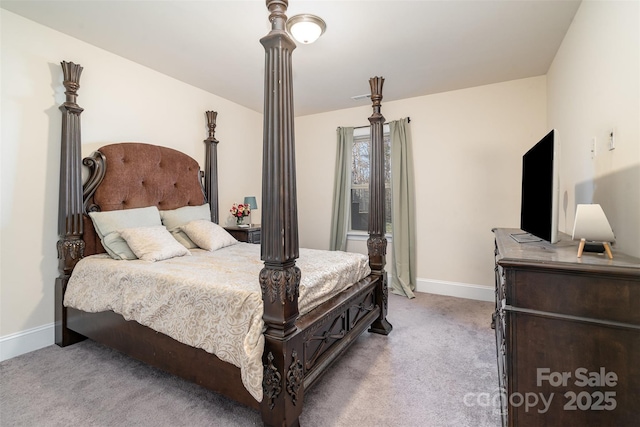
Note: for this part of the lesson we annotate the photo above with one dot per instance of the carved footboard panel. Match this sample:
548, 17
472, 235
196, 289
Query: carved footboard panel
327, 334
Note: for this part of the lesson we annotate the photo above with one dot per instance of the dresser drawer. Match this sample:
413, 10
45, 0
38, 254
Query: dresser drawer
596, 296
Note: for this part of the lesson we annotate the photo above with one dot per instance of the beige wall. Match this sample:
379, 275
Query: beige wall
467, 146
594, 88
122, 101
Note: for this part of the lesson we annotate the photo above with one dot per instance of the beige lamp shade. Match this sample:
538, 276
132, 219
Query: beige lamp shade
591, 224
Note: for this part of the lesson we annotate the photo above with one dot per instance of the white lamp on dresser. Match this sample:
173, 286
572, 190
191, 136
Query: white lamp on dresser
591, 226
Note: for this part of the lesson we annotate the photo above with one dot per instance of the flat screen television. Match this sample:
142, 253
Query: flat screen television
540, 190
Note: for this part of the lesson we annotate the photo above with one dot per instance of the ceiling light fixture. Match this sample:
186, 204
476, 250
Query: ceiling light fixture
306, 28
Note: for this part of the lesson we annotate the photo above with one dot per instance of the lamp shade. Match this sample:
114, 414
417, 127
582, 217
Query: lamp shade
251, 201
306, 28
591, 224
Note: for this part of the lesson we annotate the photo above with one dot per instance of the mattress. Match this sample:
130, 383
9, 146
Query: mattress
208, 300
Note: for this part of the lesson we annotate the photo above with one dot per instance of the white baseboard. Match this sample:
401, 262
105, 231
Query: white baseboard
26, 341
454, 289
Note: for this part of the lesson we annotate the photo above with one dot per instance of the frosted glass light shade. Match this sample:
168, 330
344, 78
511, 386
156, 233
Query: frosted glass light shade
591, 224
306, 28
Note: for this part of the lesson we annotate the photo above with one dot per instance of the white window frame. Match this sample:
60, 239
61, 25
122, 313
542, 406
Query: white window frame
358, 134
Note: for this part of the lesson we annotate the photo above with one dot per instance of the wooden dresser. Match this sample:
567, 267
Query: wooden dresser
567, 335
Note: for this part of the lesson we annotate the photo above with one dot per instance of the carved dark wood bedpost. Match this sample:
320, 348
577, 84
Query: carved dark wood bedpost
377, 242
70, 227
211, 166
280, 277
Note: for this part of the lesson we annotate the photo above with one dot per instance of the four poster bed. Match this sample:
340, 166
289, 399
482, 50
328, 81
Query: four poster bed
303, 315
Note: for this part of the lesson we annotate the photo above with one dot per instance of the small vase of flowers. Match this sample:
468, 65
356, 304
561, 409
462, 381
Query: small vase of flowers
239, 211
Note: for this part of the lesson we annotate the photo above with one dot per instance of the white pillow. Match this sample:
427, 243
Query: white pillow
208, 235
108, 223
153, 243
177, 218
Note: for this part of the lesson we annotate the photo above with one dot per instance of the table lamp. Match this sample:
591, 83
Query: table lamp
251, 201
591, 226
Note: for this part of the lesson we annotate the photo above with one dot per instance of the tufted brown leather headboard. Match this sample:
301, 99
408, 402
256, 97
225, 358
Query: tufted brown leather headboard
135, 175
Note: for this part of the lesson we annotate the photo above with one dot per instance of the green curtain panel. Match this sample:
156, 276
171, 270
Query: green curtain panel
403, 267
341, 197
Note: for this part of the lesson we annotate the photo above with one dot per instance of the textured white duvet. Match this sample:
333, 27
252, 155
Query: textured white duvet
210, 300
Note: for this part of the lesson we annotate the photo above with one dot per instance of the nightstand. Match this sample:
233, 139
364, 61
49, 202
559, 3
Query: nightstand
249, 234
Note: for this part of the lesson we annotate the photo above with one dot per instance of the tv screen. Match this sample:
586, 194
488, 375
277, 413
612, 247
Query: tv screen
540, 188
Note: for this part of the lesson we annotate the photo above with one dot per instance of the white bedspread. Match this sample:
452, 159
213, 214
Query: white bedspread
210, 300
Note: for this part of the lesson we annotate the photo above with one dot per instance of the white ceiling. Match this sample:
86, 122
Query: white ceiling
420, 47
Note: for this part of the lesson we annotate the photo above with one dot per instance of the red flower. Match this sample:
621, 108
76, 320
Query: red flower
240, 210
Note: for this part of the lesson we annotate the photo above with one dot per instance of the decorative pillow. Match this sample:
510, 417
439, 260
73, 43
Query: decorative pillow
180, 217
208, 235
108, 223
153, 243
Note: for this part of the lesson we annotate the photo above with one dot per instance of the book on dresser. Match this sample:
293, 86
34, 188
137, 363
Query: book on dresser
567, 334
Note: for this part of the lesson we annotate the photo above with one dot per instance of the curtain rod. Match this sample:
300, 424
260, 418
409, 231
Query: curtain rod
386, 123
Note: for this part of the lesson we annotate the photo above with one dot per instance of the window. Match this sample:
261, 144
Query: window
360, 179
